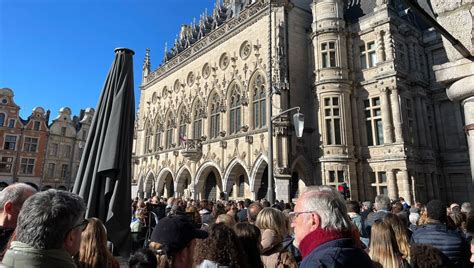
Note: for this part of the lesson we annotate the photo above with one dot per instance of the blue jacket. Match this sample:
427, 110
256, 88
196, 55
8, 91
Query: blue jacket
450, 242
339, 253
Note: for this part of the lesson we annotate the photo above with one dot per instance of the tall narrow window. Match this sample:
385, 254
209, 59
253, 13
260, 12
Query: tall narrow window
64, 172
259, 102
67, 151
2, 119
373, 121
11, 123
148, 135
169, 132
51, 169
10, 143
63, 131
215, 117
335, 178
30, 144
53, 150
197, 122
27, 165
332, 119
235, 109
328, 54
410, 121
158, 131
182, 127
36, 125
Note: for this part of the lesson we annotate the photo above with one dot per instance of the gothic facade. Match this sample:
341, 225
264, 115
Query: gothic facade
360, 71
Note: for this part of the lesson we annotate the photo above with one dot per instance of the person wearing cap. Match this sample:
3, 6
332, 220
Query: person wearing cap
174, 239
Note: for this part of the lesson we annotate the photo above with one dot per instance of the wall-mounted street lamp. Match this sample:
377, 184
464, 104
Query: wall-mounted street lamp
298, 123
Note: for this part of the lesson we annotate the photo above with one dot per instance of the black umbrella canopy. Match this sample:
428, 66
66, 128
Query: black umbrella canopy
103, 178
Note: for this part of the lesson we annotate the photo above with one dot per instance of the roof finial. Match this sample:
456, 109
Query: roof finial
146, 65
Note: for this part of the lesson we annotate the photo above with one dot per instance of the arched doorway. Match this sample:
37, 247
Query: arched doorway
183, 186
262, 191
210, 187
168, 187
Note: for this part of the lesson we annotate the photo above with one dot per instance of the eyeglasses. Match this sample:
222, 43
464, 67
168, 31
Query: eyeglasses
294, 215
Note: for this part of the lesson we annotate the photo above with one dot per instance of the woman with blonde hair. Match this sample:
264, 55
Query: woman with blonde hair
274, 227
401, 234
93, 251
384, 250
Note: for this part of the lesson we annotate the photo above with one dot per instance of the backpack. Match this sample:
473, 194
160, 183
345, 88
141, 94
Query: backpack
286, 260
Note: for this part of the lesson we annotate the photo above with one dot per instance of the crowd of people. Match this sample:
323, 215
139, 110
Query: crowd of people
322, 229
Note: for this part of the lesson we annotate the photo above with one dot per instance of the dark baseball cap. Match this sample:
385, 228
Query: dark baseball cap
174, 233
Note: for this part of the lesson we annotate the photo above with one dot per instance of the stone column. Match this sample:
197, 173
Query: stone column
389, 46
379, 38
391, 185
404, 186
386, 117
396, 114
419, 122
468, 105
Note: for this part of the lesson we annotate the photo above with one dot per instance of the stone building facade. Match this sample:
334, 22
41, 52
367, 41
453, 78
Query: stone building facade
32, 151
361, 71
67, 137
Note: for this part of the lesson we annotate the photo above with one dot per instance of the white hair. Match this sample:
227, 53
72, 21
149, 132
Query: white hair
414, 217
328, 204
16, 193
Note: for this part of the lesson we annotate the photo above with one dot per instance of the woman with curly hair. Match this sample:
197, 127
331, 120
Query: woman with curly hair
93, 251
221, 248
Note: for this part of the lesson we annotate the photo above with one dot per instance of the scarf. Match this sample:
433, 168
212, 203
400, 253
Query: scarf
319, 237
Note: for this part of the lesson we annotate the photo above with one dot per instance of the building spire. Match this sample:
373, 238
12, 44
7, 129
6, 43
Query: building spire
146, 65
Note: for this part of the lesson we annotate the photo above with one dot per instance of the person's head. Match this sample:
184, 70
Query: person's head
247, 202
143, 258
273, 219
353, 206
52, 219
382, 202
204, 204
253, 211
367, 205
397, 207
155, 200
414, 217
426, 256
11, 201
436, 210
384, 250
176, 238
400, 231
319, 207
226, 219
466, 207
249, 236
93, 251
222, 246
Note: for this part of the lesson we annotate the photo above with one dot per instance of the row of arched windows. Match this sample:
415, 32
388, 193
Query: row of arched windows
258, 91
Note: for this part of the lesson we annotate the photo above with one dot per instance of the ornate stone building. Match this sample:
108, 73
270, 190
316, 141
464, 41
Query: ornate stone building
361, 71
67, 137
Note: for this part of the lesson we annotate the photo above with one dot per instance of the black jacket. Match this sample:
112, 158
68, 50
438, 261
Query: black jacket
450, 242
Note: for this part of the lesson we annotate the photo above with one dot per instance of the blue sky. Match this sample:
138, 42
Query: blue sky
56, 53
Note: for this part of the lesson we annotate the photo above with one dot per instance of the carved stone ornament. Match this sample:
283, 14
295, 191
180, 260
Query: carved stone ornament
206, 71
224, 61
223, 144
190, 79
249, 139
176, 85
222, 133
245, 128
245, 50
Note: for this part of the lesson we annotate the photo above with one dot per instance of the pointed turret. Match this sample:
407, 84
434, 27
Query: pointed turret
146, 65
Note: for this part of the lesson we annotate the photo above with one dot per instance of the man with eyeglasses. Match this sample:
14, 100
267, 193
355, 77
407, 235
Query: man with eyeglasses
324, 232
48, 231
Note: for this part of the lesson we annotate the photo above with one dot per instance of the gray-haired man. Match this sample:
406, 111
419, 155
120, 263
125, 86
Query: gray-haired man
11, 201
48, 231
